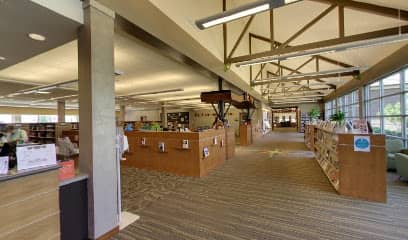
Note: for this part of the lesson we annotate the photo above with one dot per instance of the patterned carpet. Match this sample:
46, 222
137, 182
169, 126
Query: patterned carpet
271, 190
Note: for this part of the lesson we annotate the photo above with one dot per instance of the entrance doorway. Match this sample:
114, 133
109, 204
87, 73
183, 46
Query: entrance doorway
285, 118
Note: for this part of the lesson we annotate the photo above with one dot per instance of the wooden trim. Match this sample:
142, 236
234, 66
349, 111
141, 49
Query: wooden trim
326, 59
331, 75
109, 234
370, 8
323, 44
271, 29
224, 31
241, 35
341, 21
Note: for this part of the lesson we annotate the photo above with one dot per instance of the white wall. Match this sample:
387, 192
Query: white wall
152, 115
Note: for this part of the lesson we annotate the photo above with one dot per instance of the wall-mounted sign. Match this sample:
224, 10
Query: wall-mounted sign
161, 147
362, 144
185, 144
36, 156
4, 165
206, 152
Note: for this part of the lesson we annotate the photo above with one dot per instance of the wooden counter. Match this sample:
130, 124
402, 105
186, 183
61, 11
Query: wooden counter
245, 135
175, 159
352, 173
230, 141
29, 205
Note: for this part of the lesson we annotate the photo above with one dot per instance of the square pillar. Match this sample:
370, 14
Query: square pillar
163, 115
97, 117
61, 111
122, 113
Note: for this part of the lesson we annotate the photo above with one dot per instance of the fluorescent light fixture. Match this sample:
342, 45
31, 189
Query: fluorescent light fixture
336, 48
153, 93
328, 73
2, 58
240, 12
43, 92
37, 37
47, 88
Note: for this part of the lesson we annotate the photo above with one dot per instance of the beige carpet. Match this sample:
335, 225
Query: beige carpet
271, 190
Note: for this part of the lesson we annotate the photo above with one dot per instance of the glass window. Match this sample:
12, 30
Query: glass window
393, 126
373, 108
48, 118
392, 84
375, 124
374, 90
6, 118
71, 118
392, 105
29, 118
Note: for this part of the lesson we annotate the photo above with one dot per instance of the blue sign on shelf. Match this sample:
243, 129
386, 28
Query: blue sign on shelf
362, 144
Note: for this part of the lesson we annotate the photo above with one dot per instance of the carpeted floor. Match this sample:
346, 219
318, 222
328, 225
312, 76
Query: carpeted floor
271, 190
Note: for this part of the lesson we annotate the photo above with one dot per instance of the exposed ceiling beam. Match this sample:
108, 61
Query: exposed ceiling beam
370, 8
326, 59
322, 44
332, 75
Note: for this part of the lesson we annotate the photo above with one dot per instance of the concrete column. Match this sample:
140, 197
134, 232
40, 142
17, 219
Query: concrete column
163, 115
97, 117
61, 111
361, 104
122, 114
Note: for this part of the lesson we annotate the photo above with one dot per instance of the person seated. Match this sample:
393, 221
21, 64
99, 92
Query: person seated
16, 135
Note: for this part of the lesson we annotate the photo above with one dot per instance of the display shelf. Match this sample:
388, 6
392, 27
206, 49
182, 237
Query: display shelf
350, 172
304, 120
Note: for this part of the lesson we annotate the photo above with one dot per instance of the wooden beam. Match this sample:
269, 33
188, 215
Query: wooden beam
259, 73
326, 59
241, 35
224, 31
302, 65
271, 29
341, 20
323, 44
370, 8
332, 75
307, 26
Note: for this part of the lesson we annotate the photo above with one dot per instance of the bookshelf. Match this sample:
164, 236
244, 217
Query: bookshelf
351, 173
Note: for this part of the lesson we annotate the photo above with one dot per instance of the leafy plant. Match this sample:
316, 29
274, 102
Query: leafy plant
314, 113
339, 117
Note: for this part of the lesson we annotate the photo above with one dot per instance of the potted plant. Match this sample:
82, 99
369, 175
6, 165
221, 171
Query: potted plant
314, 114
339, 118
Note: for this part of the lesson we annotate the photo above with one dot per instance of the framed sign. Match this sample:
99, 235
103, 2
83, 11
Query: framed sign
362, 144
36, 156
4, 165
206, 152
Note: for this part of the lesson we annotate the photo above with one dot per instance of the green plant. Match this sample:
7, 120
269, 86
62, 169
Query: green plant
314, 113
338, 117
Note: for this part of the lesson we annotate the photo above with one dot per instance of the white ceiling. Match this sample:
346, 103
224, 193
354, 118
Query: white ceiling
19, 18
288, 20
144, 71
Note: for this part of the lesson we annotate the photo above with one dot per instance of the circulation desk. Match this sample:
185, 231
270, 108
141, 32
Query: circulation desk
205, 151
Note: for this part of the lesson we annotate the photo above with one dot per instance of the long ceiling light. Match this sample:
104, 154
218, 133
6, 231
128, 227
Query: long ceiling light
336, 48
240, 12
152, 93
295, 77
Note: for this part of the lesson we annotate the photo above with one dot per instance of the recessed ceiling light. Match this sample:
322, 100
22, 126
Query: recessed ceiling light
2, 58
36, 36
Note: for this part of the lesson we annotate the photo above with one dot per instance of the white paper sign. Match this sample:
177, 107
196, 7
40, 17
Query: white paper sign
4, 165
36, 156
362, 144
